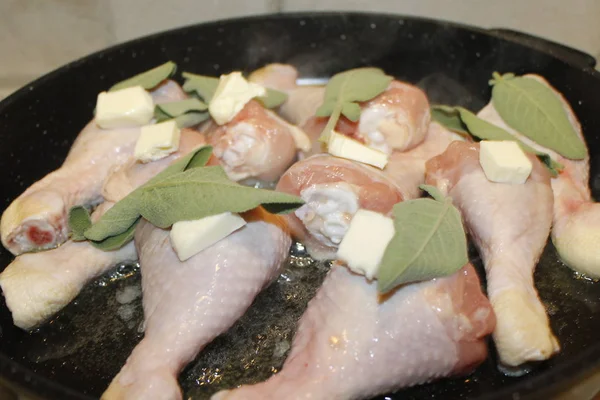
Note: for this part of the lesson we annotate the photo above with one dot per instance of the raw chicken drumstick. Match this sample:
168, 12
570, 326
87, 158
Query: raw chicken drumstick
37, 219
187, 304
333, 189
576, 226
510, 225
396, 120
37, 285
257, 144
351, 343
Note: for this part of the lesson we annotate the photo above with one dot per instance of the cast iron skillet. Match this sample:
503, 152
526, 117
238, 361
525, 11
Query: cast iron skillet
76, 355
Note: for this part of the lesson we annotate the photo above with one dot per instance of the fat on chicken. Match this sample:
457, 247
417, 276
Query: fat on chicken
37, 219
576, 216
353, 343
510, 225
38, 285
187, 304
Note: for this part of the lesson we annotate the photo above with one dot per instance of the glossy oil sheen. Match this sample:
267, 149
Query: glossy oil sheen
76, 355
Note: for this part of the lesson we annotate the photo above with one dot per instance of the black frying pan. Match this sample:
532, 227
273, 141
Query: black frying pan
76, 355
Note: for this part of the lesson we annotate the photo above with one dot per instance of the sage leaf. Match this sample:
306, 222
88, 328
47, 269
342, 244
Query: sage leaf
273, 98
203, 86
188, 112
201, 192
448, 117
191, 119
194, 159
177, 108
533, 109
79, 221
149, 79
483, 130
112, 243
125, 213
116, 219
429, 242
345, 89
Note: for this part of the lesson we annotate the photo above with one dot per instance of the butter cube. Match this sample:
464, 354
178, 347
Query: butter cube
365, 242
342, 146
124, 108
157, 141
191, 237
504, 161
231, 95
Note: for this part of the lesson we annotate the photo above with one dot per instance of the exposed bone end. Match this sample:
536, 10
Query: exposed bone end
576, 240
34, 222
522, 331
241, 152
328, 210
29, 304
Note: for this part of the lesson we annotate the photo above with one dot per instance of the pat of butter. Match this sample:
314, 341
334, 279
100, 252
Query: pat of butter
231, 95
504, 161
157, 141
191, 237
124, 108
342, 146
365, 242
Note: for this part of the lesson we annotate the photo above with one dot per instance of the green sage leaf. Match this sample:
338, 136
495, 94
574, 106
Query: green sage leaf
188, 112
533, 109
345, 89
273, 98
483, 130
448, 117
79, 221
191, 119
203, 86
149, 79
429, 242
126, 212
198, 193
116, 219
112, 243
177, 108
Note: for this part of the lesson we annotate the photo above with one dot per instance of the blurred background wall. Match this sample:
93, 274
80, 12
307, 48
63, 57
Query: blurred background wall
37, 36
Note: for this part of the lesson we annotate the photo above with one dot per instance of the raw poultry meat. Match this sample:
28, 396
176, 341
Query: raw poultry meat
351, 343
510, 225
576, 226
396, 120
257, 144
37, 219
187, 304
407, 168
333, 189
302, 101
37, 285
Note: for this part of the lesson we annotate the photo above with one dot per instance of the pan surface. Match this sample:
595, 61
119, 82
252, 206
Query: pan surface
76, 355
